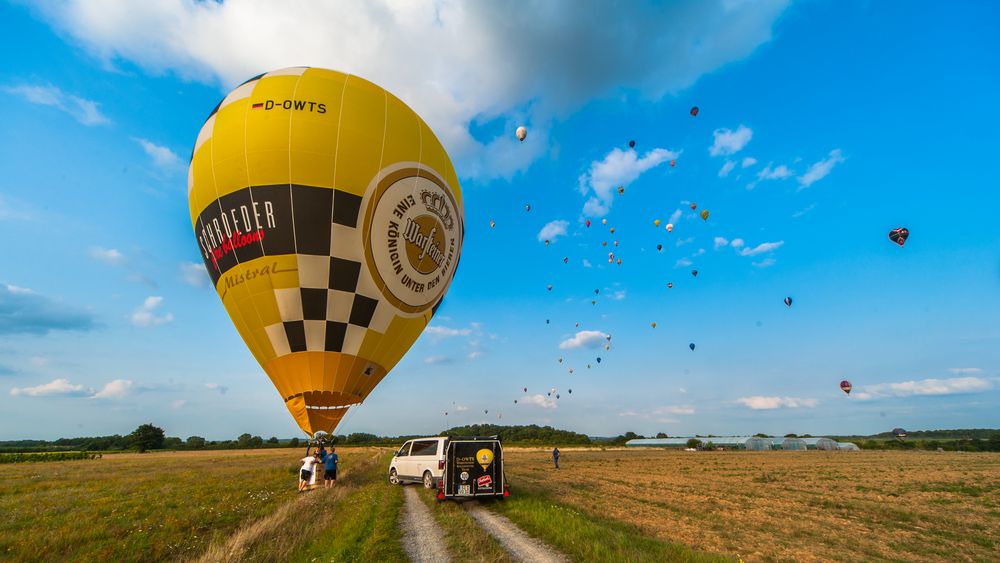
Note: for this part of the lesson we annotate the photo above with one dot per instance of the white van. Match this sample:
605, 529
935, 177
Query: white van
420, 460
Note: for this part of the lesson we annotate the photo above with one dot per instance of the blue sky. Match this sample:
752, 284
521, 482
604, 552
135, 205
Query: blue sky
838, 121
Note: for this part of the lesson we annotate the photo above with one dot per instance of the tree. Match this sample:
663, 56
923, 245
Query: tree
244, 440
760, 435
693, 443
256, 442
273, 440
294, 442
791, 436
172, 443
662, 435
146, 437
195, 442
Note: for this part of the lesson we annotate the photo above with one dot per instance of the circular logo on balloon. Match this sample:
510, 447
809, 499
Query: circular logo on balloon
413, 237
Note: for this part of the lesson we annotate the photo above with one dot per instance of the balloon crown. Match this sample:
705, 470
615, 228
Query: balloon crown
436, 204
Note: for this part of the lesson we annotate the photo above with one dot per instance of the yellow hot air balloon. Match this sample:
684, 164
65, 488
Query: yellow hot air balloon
330, 220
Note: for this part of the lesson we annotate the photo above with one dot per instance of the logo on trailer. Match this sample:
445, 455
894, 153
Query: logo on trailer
464, 476
484, 482
484, 457
413, 236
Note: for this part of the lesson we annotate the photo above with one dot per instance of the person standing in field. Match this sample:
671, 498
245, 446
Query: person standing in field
330, 467
555, 457
306, 472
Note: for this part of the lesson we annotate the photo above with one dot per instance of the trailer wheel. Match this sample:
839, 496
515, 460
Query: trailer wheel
393, 477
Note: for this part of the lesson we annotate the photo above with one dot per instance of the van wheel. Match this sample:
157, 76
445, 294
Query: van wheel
393, 477
428, 480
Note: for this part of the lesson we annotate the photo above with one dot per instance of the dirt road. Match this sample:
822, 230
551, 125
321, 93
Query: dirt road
421, 538
520, 545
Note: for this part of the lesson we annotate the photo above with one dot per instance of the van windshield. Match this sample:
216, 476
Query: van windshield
405, 450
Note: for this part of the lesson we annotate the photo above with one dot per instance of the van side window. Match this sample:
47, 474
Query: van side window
405, 450
425, 447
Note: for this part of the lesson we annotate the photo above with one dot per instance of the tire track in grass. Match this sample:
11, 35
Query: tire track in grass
421, 538
520, 545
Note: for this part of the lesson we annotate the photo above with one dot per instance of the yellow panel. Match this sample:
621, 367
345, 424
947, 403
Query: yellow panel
230, 175
297, 406
325, 419
314, 128
361, 128
402, 143
258, 340
268, 168
203, 192
400, 336
369, 346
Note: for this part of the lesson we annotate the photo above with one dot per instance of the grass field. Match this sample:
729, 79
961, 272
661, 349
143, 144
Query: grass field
806, 506
614, 505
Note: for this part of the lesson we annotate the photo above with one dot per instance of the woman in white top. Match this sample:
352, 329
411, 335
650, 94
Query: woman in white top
306, 473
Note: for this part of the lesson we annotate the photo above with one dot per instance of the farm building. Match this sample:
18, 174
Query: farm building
753, 443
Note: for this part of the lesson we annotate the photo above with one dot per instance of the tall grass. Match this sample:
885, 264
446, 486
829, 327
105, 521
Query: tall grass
46, 456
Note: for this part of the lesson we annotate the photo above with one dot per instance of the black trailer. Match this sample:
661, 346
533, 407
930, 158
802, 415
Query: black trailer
473, 468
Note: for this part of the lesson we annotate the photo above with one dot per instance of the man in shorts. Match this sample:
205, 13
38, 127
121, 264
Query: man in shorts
306, 472
330, 467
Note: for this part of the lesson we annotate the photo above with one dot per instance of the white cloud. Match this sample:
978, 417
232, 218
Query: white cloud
447, 332
765, 263
675, 216
628, 413
720, 242
965, 370
461, 408
111, 256
759, 249
617, 295
475, 355
54, 387
178, 404
727, 168
618, 168
552, 230
117, 389
16, 290
778, 173
193, 273
698, 252
83, 110
758, 402
437, 360
682, 241
820, 169
584, 339
748, 162
727, 141
162, 156
538, 401
586, 263
683, 263
217, 387
737, 243
455, 63
145, 315
803, 211
952, 386
675, 409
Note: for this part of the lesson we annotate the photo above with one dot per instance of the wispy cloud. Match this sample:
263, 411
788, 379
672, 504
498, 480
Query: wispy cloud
820, 169
194, 274
56, 387
759, 402
675, 410
437, 360
117, 389
748, 162
217, 387
726, 141
111, 256
765, 263
779, 172
952, 386
803, 211
584, 339
161, 156
23, 311
439, 331
145, 315
675, 216
965, 370
727, 168
720, 242
552, 230
538, 401
618, 168
760, 248
83, 110
683, 262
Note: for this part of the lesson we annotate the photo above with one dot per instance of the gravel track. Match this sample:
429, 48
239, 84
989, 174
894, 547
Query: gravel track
520, 545
421, 538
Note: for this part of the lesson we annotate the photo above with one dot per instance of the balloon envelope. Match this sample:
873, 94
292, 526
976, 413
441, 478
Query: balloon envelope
899, 235
522, 133
788, 301
330, 220
845, 386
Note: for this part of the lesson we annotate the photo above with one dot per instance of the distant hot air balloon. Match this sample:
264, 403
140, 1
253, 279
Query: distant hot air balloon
694, 273
547, 241
557, 395
845, 386
570, 391
604, 243
598, 359
604, 221
788, 301
652, 324
593, 302
525, 389
694, 111
492, 223
522, 133
565, 259
659, 247
560, 360
515, 401
486, 411
704, 214
631, 144
619, 262
670, 285
899, 235
527, 207
553, 391
691, 346
656, 222
571, 371
597, 291
621, 190
694, 206
673, 163
616, 243
549, 287
587, 222
280, 235
612, 230
670, 227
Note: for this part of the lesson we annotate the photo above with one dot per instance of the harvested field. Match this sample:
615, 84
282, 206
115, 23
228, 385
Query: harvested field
807, 506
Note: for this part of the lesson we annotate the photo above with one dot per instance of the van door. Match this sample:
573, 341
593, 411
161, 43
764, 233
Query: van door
403, 460
423, 457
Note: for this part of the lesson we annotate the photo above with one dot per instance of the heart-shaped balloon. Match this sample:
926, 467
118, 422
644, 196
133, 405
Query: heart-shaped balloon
899, 235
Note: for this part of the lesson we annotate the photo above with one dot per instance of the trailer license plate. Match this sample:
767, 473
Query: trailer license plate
465, 489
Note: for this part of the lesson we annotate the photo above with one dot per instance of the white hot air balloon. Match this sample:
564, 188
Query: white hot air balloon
522, 133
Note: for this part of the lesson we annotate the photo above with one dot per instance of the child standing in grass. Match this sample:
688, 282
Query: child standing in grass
306, 472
